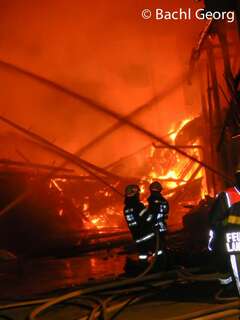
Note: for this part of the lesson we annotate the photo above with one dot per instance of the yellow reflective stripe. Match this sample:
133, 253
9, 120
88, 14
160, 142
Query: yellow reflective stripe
233, 219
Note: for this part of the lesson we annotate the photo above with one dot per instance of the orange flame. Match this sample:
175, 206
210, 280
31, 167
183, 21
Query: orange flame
173, 132
55, 183
181, 171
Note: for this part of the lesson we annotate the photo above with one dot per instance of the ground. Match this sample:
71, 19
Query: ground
55, 276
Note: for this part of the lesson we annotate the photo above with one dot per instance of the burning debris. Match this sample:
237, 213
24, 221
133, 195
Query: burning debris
182, 179
183, 182
64, 202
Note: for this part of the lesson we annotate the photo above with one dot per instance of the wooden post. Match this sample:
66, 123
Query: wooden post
211, 129
207, 154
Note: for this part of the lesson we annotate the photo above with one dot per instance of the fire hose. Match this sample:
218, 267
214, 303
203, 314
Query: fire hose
219, 312
121, 305
116, 289
78, 292
100, 305
113, 285
145, 272
104, 289
228, 311
219, 299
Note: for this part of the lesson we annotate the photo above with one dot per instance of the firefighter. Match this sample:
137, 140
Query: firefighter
158, 213
136, 215
224, 235
132, 209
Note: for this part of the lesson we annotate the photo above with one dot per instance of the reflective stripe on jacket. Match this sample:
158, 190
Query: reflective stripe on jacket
233, 197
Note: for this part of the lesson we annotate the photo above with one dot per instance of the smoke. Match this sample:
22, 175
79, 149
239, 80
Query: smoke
103, 50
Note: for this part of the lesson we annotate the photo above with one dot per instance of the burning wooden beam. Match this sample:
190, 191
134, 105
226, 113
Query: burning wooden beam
74, 159
214, 83
157, 146
196, 52
66, 155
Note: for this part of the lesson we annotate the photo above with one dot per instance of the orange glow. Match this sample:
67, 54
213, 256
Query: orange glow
55, 183
142, 189
60, 212
95, 221
152, 151
107, 217
93, 262
85, 206
181, 169
172, 174
175, 132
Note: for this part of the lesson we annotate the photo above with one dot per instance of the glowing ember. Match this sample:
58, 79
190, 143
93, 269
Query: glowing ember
56, 183
110, 217
142, 189
95, 221
85, 206
152, 151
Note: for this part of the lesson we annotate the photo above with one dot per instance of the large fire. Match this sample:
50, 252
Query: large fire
183, 180
171, 168
98, 209
173, 132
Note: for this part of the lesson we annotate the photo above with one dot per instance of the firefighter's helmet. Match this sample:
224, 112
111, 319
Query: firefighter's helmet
237, 175
155, 186
132, 190
237, 171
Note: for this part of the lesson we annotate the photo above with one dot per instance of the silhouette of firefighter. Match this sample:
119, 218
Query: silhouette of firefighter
135, 214
147, 224
158, 209
224, 236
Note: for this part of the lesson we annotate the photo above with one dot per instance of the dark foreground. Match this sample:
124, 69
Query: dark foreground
168, 294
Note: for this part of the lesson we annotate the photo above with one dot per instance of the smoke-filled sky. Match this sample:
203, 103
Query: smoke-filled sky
101, 49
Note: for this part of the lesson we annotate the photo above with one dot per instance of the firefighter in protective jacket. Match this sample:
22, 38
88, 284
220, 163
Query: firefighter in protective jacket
158, 213
224, 235
133, 207
141, 228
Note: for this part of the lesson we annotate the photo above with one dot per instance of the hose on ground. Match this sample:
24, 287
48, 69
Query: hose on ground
109, 288
122, 308
197, 314
145, 272
219, 299
78, 293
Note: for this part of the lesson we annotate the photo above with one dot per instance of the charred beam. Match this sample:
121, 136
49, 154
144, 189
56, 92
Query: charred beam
131, 124
7, 163
65, 154
178, 146
60, 151
92, 103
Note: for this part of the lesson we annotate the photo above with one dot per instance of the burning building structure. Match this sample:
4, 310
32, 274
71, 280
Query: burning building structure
193, 155
97, 95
